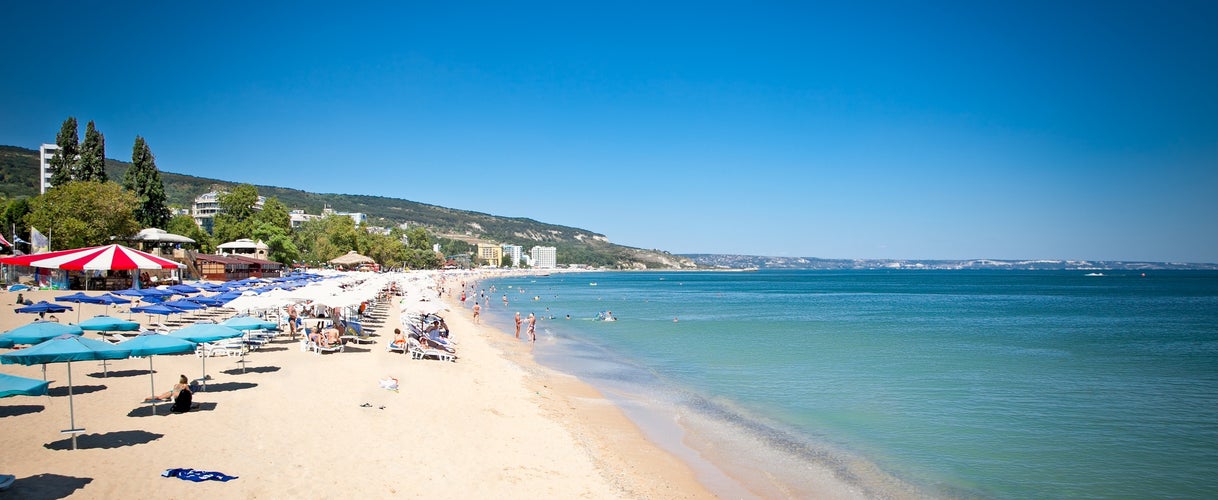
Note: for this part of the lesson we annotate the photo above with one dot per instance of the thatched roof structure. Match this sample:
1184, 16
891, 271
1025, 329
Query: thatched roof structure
352, 259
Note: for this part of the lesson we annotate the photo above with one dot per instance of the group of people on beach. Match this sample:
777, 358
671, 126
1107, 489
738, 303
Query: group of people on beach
532, 330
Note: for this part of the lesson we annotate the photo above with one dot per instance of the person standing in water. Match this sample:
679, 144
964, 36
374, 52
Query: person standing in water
517, 325
532, 328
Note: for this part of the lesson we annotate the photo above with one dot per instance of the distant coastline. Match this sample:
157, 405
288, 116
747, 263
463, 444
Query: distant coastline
756, 262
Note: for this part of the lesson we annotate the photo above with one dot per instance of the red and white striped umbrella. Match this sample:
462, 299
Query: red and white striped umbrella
107, 257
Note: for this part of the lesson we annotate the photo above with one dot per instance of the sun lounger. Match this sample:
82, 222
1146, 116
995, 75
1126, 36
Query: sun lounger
418, 351
355, 333
309, 345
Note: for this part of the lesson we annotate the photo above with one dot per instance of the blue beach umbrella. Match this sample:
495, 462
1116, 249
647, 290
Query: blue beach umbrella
184, 305
152, 343
110, 300
109, 324
78, 298
66, 348
37, 333
207, 301
206, 332
183, 289
43, 307
161, 309
12, 385
248, 323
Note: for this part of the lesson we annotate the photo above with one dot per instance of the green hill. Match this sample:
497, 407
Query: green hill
19, 177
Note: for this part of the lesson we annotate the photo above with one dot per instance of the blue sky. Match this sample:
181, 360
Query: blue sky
1077, 130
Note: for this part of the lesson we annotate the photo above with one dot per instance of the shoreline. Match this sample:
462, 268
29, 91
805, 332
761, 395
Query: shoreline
733, 454
492, 424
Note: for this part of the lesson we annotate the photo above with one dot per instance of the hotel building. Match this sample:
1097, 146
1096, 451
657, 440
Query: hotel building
544, 257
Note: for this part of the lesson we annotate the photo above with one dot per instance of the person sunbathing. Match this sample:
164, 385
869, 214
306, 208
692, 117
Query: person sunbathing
330, 338
173, 393
399, 340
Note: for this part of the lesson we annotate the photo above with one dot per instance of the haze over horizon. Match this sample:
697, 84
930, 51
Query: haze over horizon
951, 130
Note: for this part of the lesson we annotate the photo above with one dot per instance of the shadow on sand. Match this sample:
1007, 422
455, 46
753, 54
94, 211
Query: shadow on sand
164, 409
76, 390
104, 441
252, 369
17, 410
46, 486
123, 373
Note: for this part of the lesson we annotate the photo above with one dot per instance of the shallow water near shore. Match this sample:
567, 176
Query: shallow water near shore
905, 383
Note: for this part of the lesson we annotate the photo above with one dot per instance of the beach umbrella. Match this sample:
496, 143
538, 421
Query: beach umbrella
183, 289
101, 258
184, 305
249, 323
109, 324
207, 301
161, 309
152, 343
207, 287
43, 306
79, 298
37, 333
138, 292
206, 332
12, 385
110, 300
66, 348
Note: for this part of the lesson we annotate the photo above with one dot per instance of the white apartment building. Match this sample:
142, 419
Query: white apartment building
515, 251
544, 257
45, 153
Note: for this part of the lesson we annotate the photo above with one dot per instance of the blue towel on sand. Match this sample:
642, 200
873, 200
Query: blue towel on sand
197, 475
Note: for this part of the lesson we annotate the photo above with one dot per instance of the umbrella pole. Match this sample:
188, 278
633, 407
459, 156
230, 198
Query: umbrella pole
204, 389
152, 383
71, 408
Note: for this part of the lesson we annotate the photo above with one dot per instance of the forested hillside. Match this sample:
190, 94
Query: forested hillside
19, 177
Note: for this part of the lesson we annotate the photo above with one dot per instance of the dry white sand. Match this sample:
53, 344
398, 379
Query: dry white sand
491, 425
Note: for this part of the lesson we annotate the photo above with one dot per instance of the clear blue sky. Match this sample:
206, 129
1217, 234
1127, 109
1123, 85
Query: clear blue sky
1078, 130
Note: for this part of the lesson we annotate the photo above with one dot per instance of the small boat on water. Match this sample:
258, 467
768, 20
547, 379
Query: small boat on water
592, 283
1094, 274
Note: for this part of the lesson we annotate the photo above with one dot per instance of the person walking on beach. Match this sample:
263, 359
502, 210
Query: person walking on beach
532, 328
477, 310
292, 317
517, 325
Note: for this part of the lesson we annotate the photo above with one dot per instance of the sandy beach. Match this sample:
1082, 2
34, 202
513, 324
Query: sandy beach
302, 425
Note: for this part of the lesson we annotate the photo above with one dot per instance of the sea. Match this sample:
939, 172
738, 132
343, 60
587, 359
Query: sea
902, 383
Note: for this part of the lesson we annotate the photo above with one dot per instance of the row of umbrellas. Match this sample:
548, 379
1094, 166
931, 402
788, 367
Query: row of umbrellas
68, 345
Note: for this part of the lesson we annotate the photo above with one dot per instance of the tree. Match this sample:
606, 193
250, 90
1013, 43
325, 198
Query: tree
63, 164
235, 220
14, 217
386, 250
83, 214
279, 243
185, 225
143, 180
320, 240
92, 166
275, 213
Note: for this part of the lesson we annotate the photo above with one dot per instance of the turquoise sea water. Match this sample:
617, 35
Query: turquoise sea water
958, 383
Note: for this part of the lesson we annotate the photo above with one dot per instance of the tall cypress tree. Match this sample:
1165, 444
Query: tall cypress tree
144, 180
64, 162
92, 156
